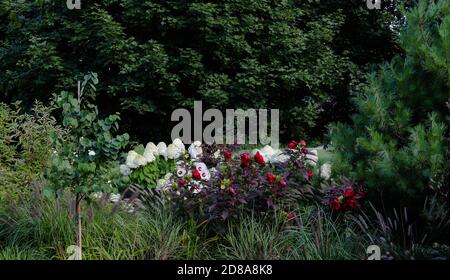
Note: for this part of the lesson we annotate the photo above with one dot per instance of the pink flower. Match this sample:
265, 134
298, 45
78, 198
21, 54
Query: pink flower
283, 183
232, 191
302, 143
290, 216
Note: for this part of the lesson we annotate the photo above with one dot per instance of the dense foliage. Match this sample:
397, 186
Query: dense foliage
398, 142
303, 57
25, 148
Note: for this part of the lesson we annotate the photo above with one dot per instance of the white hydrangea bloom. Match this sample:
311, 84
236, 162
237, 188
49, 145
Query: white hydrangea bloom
124, 170
150, 148
173, 152
177, 142
195, 150
91, 153
162, 149
130, 162
140, 160
149, 152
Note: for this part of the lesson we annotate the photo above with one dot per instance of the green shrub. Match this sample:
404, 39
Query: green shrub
399, 140
25, 147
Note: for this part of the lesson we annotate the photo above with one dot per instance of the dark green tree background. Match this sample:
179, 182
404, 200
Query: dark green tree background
306, 58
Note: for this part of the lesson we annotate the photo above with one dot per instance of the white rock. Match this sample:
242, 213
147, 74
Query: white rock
325, 171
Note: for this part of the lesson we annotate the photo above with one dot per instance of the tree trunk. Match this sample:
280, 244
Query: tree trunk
78, 227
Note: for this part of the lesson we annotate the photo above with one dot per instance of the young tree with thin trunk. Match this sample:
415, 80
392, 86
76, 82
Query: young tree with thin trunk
83, 162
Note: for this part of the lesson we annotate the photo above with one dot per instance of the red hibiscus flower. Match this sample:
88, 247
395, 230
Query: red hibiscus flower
283, 183
227, 155
310, 174
259, 158
290, 216
271, 178
292, 144
246, 159
196, 174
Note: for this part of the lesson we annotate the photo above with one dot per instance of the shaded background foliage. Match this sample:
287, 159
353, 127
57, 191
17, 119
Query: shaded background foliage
304, 57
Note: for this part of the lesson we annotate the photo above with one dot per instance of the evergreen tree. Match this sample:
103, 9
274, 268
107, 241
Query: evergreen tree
398, 141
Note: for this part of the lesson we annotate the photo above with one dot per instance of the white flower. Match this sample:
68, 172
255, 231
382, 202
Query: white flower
181, 171
203, 170
198, 186
325, 171
216, 154
161, 185
173, 152
124, 170
91, 153
140, 160
130, 162
168, 176
195, 150
162, 149
177, 142
150, 152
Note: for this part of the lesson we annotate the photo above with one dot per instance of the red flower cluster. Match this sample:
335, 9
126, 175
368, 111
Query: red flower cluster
227, 155
259, 158
272, 178
293, 144
246, 159
345, 199
196, 174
